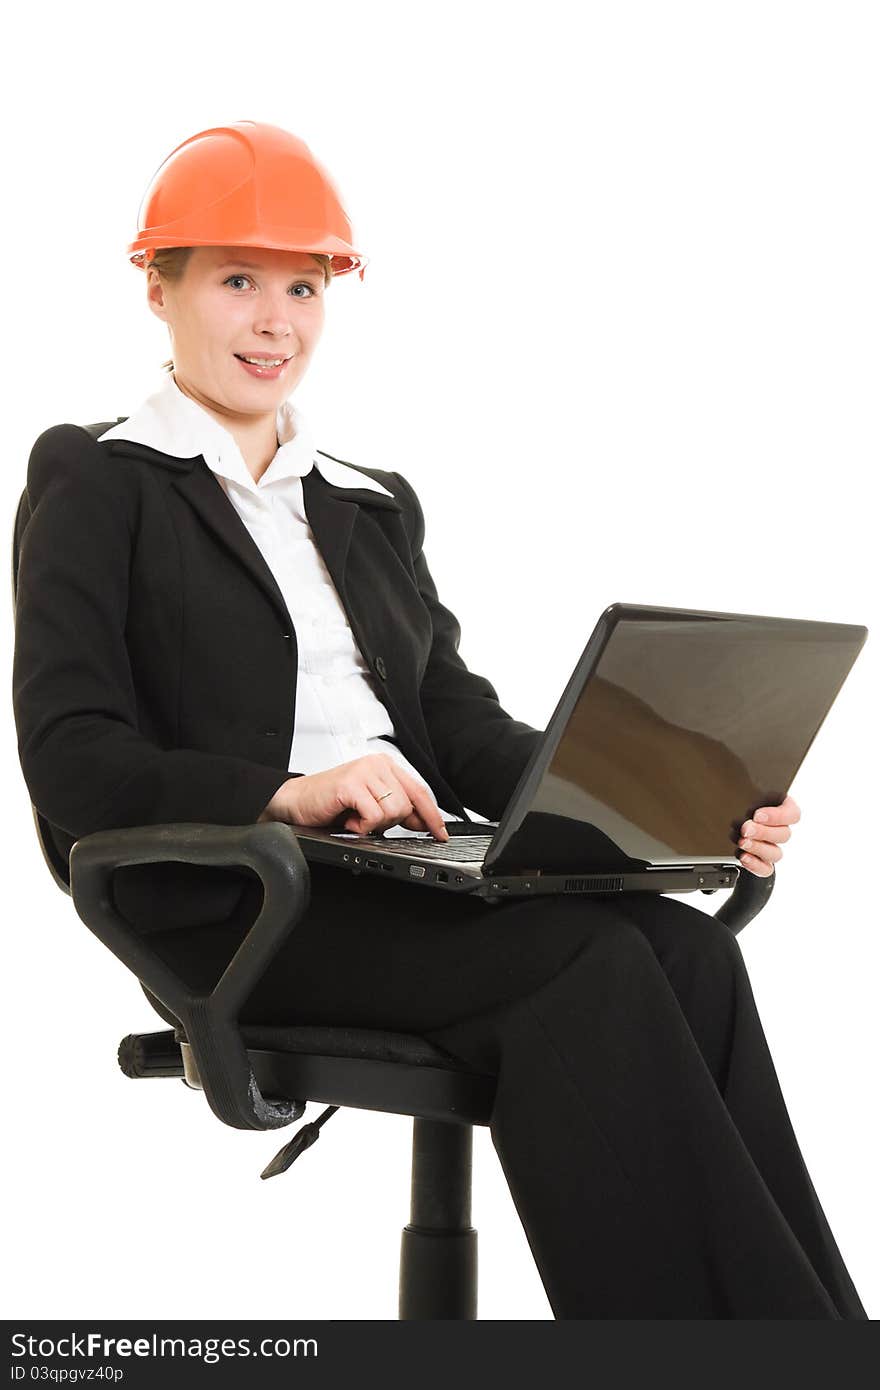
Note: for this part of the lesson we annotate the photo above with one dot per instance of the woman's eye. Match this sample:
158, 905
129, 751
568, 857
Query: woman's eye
303, 284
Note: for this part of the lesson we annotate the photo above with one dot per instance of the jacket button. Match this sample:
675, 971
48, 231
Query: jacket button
286, 636
380, 668
270, 733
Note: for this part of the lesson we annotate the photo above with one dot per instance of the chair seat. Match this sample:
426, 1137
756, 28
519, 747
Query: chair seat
361, 1068
377, 1044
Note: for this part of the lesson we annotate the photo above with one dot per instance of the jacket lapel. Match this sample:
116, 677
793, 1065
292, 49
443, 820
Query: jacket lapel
347, 543
331, 513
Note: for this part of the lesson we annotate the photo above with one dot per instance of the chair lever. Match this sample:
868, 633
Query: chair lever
305, 1136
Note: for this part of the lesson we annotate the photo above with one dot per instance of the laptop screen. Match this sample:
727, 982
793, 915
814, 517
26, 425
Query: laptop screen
675, 726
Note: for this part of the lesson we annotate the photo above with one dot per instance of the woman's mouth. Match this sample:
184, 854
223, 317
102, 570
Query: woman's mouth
269, 369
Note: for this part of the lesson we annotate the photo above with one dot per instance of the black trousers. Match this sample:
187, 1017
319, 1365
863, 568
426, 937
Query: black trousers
638, 1118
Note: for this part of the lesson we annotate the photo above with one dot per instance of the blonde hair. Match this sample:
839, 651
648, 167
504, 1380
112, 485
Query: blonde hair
171, 262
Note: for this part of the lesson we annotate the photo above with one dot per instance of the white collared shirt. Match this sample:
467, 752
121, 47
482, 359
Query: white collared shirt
337, 714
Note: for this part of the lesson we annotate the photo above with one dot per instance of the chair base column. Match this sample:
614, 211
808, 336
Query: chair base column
438, 1249
438, 1274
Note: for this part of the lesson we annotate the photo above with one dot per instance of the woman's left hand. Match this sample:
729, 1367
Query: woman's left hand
763, 834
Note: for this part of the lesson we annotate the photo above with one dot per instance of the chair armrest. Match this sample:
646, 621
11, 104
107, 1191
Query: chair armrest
750, 893
210, 1021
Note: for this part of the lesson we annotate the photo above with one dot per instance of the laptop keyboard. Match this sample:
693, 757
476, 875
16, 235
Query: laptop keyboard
459, 847
463, 847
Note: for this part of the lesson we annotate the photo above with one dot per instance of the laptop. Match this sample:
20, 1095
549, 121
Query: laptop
675, 726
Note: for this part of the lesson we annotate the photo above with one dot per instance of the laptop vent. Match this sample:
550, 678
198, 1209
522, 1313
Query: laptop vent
612, 884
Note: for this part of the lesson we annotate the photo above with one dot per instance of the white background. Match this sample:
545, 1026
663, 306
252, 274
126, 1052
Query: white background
620, 330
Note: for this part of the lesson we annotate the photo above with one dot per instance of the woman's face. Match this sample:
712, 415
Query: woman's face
237, 301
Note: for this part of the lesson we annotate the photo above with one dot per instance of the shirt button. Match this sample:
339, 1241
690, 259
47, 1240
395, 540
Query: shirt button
380, 668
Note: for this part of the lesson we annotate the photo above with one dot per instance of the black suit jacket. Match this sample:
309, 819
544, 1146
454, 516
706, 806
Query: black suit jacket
154, 676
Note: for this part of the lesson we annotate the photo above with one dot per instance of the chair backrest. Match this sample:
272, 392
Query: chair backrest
55, 857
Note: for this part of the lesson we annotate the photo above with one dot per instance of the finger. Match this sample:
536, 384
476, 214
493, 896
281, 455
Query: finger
368, 812
424, 803
382, 805
757, 866
789, 813
414, 822
392, 802
394, 807
757, 849
776, 834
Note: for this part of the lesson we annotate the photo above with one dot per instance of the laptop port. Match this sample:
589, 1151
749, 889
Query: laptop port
372, 863
442, 876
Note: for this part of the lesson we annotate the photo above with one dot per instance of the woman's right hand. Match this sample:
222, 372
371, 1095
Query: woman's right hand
350, 791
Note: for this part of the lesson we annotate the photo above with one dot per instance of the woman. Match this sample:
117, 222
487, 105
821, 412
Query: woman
218, 623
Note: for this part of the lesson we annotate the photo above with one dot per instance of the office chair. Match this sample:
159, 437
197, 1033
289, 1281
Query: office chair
261, 1076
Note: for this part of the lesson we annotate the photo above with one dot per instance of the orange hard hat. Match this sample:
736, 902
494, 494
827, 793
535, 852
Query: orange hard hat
245, 184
